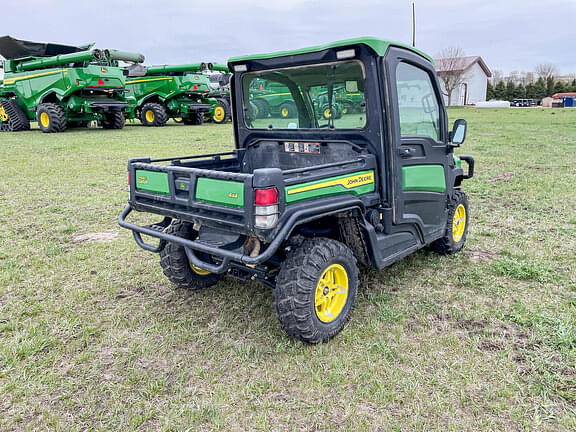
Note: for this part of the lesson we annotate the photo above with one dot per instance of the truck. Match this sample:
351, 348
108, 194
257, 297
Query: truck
158, 93
61, 86
302, 207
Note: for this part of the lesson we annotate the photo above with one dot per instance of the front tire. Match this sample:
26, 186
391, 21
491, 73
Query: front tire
175, 263
51, 118
316, 289
153, 114
456, 226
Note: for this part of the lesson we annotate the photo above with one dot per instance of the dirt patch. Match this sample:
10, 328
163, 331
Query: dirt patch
478, 255
105, 236
504, 177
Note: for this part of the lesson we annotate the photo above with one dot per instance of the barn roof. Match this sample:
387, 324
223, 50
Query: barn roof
461, 64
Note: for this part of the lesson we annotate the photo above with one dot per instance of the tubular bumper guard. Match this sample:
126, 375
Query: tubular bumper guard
470, 161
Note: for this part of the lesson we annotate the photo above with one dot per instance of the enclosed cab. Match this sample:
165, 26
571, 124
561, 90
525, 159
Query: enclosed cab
303, 201
61, 86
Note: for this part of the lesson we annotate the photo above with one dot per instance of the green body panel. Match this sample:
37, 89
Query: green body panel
152, 181
174, 92
357, 183
429, 178
379, 46
74, 88
223, 192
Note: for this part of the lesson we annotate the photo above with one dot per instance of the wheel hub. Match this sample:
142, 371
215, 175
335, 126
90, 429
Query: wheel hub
459, 223
331, 293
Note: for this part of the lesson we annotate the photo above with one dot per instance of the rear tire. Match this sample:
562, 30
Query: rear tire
221, 112
195, 119
12, 118
456, 226
114, 121
288, 110
316, 289
51, 118
153, 114
263, 108
175, 263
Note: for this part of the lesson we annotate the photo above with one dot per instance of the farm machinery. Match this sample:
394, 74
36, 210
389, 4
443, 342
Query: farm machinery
61, 86
181, 92
303, 203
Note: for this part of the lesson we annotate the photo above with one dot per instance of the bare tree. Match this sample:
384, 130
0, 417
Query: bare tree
497, 76
450, 69
546, 70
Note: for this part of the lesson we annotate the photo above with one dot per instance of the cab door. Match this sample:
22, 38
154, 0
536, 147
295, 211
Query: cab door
418, 143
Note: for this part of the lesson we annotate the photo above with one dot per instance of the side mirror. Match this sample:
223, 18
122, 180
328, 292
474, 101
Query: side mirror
458, 133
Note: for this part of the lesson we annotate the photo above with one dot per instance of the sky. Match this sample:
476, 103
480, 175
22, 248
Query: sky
508, 34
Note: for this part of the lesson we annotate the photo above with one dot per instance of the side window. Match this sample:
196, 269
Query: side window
419, 110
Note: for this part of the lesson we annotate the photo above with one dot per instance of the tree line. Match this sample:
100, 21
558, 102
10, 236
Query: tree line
539, 89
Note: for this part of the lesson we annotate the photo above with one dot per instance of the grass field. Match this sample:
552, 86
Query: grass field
93, 337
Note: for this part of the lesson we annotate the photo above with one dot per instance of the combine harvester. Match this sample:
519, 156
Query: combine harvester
61, 86
158, 93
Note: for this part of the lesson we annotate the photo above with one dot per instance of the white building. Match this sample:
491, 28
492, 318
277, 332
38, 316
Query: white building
474, 80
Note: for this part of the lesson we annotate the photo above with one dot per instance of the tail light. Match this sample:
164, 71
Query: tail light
265, 207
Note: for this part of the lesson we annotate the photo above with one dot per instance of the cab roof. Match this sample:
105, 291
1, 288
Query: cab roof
379, 46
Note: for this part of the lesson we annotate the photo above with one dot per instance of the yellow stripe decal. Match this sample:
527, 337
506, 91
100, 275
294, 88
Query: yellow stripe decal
274, 94
346, 182
13, 80
147, 80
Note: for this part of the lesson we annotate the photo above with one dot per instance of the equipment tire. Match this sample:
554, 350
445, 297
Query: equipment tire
12, 118
78, 124
153, 114
263, 108
288, 110
455, 235
223, 105
195, 119
304, 306
114, 121
175, 263
51, 118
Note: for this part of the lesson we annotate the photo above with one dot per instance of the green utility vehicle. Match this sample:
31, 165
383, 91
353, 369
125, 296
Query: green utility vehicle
299, 206
157, 93
61, 86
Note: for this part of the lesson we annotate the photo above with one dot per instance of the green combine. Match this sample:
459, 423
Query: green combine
158, 93
220, 83
61, 86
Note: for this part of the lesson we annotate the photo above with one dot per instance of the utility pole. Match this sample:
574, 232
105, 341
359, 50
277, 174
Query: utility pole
413, 24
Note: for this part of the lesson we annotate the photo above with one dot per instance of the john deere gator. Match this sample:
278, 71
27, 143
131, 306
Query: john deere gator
158, 93
61, 86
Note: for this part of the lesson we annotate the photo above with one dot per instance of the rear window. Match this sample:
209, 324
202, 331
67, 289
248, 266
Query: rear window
306, 97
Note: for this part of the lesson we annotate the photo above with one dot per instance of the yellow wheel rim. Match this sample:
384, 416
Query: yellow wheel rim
178, 119
331, 293
327, 113
3, 114
198, 270
150, 116
219, 113
44, 119
284, 112
344, 110
459, 223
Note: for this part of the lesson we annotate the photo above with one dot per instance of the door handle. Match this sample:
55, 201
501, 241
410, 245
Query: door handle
406, 152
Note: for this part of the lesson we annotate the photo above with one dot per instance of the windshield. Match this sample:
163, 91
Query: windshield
306, 97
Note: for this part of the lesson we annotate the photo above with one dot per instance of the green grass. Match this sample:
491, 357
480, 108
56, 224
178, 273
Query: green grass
93, 337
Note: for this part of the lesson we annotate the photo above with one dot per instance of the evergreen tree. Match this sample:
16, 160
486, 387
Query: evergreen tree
530, 93
540, 89
520, 92
573, 86
510, 90
489, 91
550, 86
559, 87
500, 91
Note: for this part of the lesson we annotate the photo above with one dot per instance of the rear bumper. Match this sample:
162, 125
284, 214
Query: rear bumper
107, 107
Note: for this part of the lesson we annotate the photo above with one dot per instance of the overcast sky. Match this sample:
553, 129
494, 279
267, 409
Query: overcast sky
508, 34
